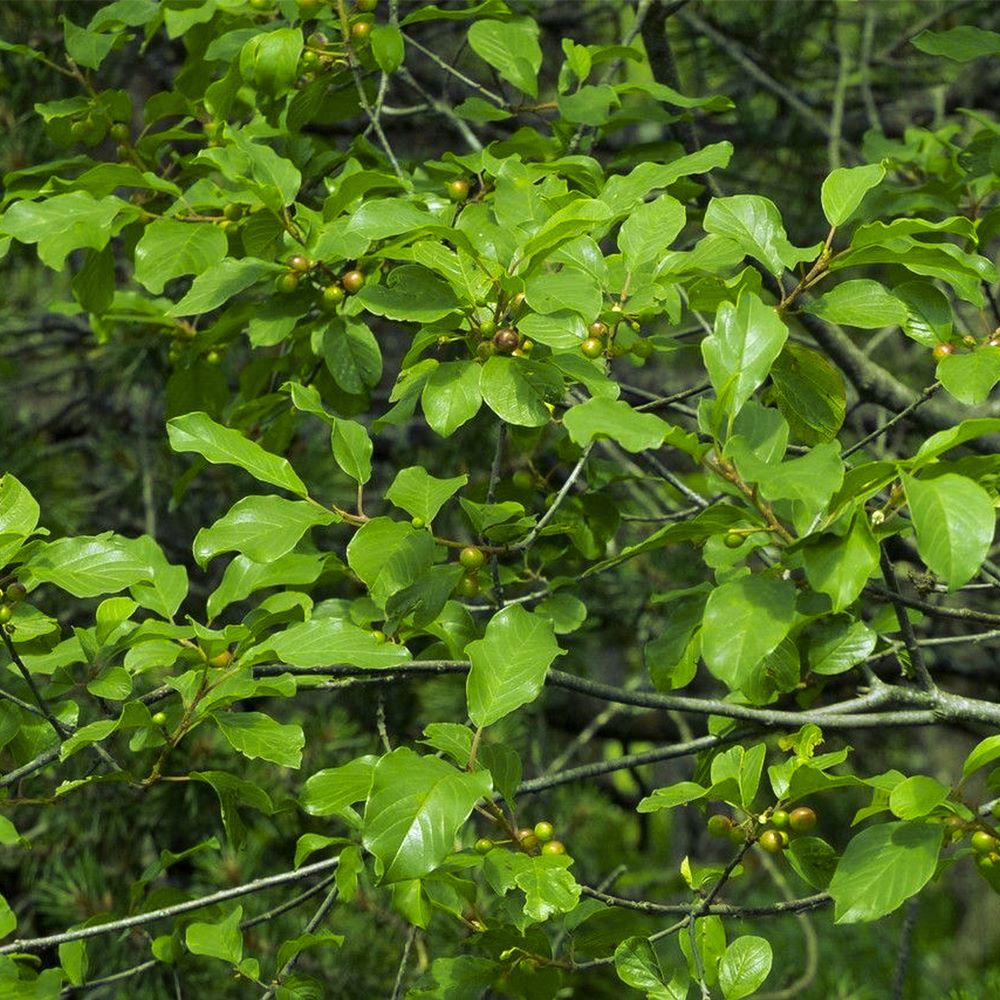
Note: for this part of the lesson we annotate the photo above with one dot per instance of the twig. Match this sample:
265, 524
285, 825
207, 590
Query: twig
905, 625
529, 539
397, 990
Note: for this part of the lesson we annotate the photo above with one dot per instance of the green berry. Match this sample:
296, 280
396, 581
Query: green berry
353, 281
287, 283
484, 845
299, 263
719, 825
378, 635
554, 847
772, 841
233, 212
467, 587
472, 558
6, 613
333, 295
159, 719
544, 831
733, 539
592, 347
15, 592
597, 329
779, 819
802, 820
983, 842
458, 189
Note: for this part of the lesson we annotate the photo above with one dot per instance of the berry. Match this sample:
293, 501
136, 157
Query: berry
366, 6
484, 845
554, 847
523, 480
233, 212
719, 825
592, 347
361, 30
159, 719
15, 592
333, 295
802, 820
222, 659
317, 40
529, 842
378, 635
597, 329
6, 613
472, 558
487, 328
506, 340
458, 189
942, 350
260, 4
484, 350
287, 283
544, 831
468, 586
983, 842
779, 819
79, 129
120, 132
299, 263
213, 358
733, 540
353, 281
418, 522
772, 841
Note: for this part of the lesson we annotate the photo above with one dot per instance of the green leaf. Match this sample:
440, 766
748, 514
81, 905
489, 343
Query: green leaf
614, 419
387, 47
548, 887
169, 249
961, 44
511, 48
841, 566
928, 318
352, 449
862, 303
509, 664
256, 735
352, 356
421, 494
813, 859
331, 791
970, 377
746, 340
389, 556
64, 223
943, 441
745, 619
451, 396
637, 965
90, 565
882, 867
410, 293
575, 219
837, 643
219, 283
263, 528
243, 576
649, 230
19, 513
844, 188
199, 433
917, 797
984, 752
415, 809
379, 218
511, 394
269, 60
331, 641
954, 520
219, 940
744, 967
674, 795
755, 224
571, 289
810, 393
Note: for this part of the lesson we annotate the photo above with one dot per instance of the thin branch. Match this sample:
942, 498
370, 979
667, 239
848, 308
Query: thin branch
397, 989
779, 909
141, 919
529, 539
905, 625
925, 394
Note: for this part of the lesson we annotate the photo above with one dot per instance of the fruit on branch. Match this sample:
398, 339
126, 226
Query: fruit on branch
802, 820
592, 347
467, 587
544, 831
15, 592
6, 613
458, 189
287, 283
943, 350
233, 212
772, 841
361, 30
597, 329
332, 296
983, 842
159, 719
733, 539
554, 847
719, 825
472, 558
353, 281
779, 819
299, 263
484, 845
506, 340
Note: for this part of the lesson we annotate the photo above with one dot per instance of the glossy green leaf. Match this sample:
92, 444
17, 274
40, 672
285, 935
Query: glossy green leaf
970, 377
569, 289
219, 283
984, 752
19, 512
263, 528
220, 445
331, 641
90, 565
844, 188
389, 556
450, 396
387, 47
954, 520
917, 796
352, 356
243, 576
837, 643
943, 441
511, 48
410, 293
256, 735
637, 965
929, 318
169, 249
755, 224
330, 791
509, 664
269, 60
650, 229
810, 393
673, 795
614, 419
510, 392
222, 939
578, 217
421, 494
415, 808
744, 620
352, 449
744, 967
882, 867
860, 302
745, 341
840, 566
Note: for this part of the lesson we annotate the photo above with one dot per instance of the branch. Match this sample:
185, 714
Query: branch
778, 909
141, 919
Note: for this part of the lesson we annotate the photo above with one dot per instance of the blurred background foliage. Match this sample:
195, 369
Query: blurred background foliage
815, 84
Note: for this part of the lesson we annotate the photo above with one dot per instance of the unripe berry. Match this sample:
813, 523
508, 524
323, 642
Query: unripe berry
802, 820
544, 831
472, 558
